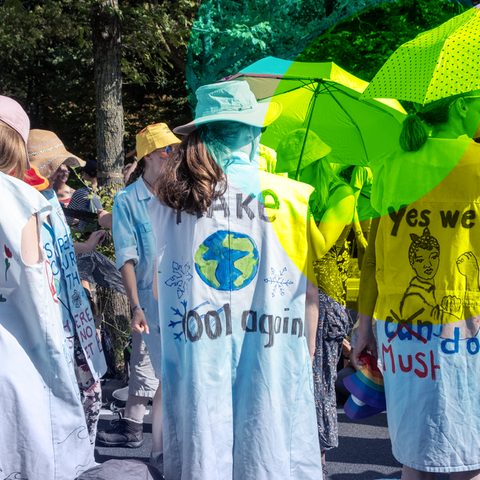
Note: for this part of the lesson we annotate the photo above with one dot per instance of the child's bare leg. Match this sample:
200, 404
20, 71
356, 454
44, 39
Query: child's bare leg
157, 432
135, 407
473, 475
412, 474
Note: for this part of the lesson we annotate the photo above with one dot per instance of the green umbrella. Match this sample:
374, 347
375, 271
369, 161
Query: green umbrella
436, 64
324, 98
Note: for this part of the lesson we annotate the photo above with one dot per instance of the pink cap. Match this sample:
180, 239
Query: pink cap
15, 116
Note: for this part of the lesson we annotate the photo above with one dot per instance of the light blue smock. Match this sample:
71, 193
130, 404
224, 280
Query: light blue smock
75, 308
134, 240
43, 433
237, 385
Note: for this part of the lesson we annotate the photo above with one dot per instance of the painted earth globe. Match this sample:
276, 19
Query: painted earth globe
227, 260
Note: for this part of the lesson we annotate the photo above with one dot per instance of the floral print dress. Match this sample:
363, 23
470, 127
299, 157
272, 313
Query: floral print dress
333, 325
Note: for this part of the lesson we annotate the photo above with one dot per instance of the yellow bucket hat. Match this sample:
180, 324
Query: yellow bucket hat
153, 137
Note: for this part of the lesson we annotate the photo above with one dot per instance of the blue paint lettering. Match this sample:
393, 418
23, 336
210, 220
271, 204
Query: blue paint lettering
54, 268
473, 346
445, 343
48, 249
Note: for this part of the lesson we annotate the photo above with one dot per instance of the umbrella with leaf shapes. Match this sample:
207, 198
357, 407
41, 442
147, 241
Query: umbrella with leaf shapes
325, 98
436, 64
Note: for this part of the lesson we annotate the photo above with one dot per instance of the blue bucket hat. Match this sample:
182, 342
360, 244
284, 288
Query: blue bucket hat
230, 101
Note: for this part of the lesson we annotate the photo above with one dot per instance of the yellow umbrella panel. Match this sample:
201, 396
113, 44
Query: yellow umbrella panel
324, 98
436, 64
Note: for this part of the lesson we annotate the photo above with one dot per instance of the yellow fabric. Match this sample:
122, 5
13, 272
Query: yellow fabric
427, 253
153, 137
286, 205
267, 159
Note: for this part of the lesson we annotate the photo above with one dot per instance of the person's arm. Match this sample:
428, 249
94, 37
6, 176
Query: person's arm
105, 219
30, 242
127, 257
311, 317
128, 170
367, 295
320, 240
357, 182
139, 322
96, 238
357, 227
339, 213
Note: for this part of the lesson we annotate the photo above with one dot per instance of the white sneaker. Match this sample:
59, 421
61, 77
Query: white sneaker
121, 394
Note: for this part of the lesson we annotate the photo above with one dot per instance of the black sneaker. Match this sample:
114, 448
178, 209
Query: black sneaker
124, 432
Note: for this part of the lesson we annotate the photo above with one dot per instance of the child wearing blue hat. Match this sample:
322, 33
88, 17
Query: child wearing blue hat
236, 310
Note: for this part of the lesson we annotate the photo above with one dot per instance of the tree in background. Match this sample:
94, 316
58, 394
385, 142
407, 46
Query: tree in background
107, 54
230, 34
47, 64
66, 61
362, 43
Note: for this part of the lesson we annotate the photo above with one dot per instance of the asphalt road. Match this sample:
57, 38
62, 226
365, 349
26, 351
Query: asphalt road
364, 452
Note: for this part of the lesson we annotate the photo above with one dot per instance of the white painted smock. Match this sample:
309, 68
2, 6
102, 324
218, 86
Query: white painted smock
134, 240
428, 275
75, 308
43, 434
237, 383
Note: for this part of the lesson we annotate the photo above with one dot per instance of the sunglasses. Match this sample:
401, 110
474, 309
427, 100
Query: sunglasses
168, 149
469, 96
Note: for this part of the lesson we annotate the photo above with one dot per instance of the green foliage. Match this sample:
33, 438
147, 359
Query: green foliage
230, 34
362, 43
47, 64
106, 195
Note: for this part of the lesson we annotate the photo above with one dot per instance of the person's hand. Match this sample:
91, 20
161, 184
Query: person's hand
362, 243
346, 348
139, 322
366, 341
96, 238
104, 219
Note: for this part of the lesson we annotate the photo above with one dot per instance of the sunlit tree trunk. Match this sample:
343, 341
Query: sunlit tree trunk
107, 52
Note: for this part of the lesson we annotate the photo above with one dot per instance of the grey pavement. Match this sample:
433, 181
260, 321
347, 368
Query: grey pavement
364, 451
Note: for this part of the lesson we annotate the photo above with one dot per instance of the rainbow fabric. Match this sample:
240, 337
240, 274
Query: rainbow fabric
367, 391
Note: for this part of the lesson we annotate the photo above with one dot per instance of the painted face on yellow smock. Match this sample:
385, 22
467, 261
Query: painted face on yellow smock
426, 263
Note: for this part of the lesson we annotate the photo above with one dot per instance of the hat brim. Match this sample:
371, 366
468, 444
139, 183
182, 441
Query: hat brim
354, 410
366, 391
261, 116
73, 161
290, 163
49, 168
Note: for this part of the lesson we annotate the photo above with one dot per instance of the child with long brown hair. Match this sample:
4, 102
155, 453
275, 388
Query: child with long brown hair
235, 311
135, 248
